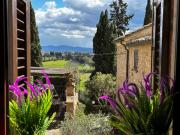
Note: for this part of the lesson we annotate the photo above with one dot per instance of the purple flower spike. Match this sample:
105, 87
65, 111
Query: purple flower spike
41, 84
147, 83
31, 88
47, 79
37, 88
109, 100
19, 79
15, 90
128, 104
25, 91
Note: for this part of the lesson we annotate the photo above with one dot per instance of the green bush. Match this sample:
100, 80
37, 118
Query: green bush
81, 124
101, 84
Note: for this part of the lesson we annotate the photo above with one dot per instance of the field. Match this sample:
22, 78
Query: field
55, 64
84, 70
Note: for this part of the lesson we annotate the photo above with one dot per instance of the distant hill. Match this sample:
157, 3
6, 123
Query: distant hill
66, 49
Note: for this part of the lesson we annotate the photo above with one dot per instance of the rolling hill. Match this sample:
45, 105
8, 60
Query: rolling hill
64, 48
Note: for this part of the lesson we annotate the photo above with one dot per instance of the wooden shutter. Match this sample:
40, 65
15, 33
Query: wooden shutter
19, 32
3, 69
161, 37
156, 38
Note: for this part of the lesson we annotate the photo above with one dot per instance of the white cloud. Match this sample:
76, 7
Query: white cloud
85, 3
50, 4
74, 23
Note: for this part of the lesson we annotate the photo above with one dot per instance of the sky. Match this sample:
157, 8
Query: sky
73, 22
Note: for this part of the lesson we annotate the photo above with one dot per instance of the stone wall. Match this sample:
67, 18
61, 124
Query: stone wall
121, 64
136, 40
144, 62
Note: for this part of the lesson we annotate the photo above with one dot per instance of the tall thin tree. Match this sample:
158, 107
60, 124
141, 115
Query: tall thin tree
103, 46
119, 16
36, 56
148, 14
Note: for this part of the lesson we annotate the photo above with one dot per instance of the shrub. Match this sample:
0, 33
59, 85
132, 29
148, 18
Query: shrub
81, 124
141, 109
100, 84
28, 115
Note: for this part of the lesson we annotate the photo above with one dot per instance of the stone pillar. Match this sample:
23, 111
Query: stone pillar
71, 96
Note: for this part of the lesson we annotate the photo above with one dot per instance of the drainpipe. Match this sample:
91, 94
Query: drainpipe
153, 36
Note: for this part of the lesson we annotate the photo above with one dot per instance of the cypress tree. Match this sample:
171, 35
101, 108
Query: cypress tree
103, 46
119, 17
148, 14
36, 56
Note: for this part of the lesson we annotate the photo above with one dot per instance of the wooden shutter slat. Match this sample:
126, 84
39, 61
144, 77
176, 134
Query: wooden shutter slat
21, 85
20, 39
19, 30
21, 76
21, 49
21, 21
21, 58
21, 67
19, 11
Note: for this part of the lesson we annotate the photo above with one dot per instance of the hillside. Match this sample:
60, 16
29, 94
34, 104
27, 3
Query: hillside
66, 49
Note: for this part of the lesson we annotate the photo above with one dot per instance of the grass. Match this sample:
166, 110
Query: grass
83, 78
55, 64
85, 71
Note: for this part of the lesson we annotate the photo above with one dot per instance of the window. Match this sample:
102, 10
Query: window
136, 60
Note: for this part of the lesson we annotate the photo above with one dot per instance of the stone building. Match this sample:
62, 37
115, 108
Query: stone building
134, 55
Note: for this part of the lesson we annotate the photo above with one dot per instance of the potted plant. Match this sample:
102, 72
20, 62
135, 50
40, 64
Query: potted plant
142, 109
28, 113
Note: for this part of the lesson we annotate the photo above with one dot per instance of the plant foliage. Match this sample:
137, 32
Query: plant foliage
101, 84
142, 110
119, 17
81, 124
148, 14
29, 114
36, 56
104, 47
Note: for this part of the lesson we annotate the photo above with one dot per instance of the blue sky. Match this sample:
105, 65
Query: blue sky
73, 22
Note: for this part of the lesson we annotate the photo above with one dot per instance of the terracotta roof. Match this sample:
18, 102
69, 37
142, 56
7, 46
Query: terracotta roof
134, 31
140, 40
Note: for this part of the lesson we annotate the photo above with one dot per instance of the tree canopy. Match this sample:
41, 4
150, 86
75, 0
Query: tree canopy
119, 16
36, 56
103, 46
148, 14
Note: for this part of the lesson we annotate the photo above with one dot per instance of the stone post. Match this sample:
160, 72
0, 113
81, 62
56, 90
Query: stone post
71, 96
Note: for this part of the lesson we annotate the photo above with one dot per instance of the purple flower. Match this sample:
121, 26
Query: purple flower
109, 100
15, 89
31, 88
19, 79
41, 84
128, 104
164, 85
147, 83
25, 91
37, 88
47, 79
127, 88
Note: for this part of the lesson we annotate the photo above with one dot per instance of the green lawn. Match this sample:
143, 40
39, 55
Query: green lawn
55, 64
85, 71
83, 78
